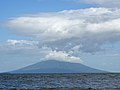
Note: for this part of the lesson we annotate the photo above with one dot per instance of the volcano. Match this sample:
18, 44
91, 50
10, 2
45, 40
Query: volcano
55, 66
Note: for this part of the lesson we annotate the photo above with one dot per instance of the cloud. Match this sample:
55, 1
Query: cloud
21, 42
26, 49
62, 56
89, 29
104, 3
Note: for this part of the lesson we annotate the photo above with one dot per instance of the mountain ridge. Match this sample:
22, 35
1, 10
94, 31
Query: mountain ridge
55, 66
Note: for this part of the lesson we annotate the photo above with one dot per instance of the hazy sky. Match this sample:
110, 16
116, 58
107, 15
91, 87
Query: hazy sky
80, 31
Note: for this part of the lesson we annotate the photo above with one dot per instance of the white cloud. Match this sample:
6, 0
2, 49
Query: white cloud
104, 3
62, 56
88, 28
20, 42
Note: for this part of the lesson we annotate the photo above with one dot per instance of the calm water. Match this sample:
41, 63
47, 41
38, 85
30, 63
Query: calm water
60, 81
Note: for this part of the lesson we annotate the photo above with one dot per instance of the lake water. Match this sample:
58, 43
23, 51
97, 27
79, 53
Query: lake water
59, 81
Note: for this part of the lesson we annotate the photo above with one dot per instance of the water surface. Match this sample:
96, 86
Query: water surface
60, 81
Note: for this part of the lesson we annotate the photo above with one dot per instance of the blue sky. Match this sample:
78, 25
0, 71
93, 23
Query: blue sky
14, 8
82, 27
